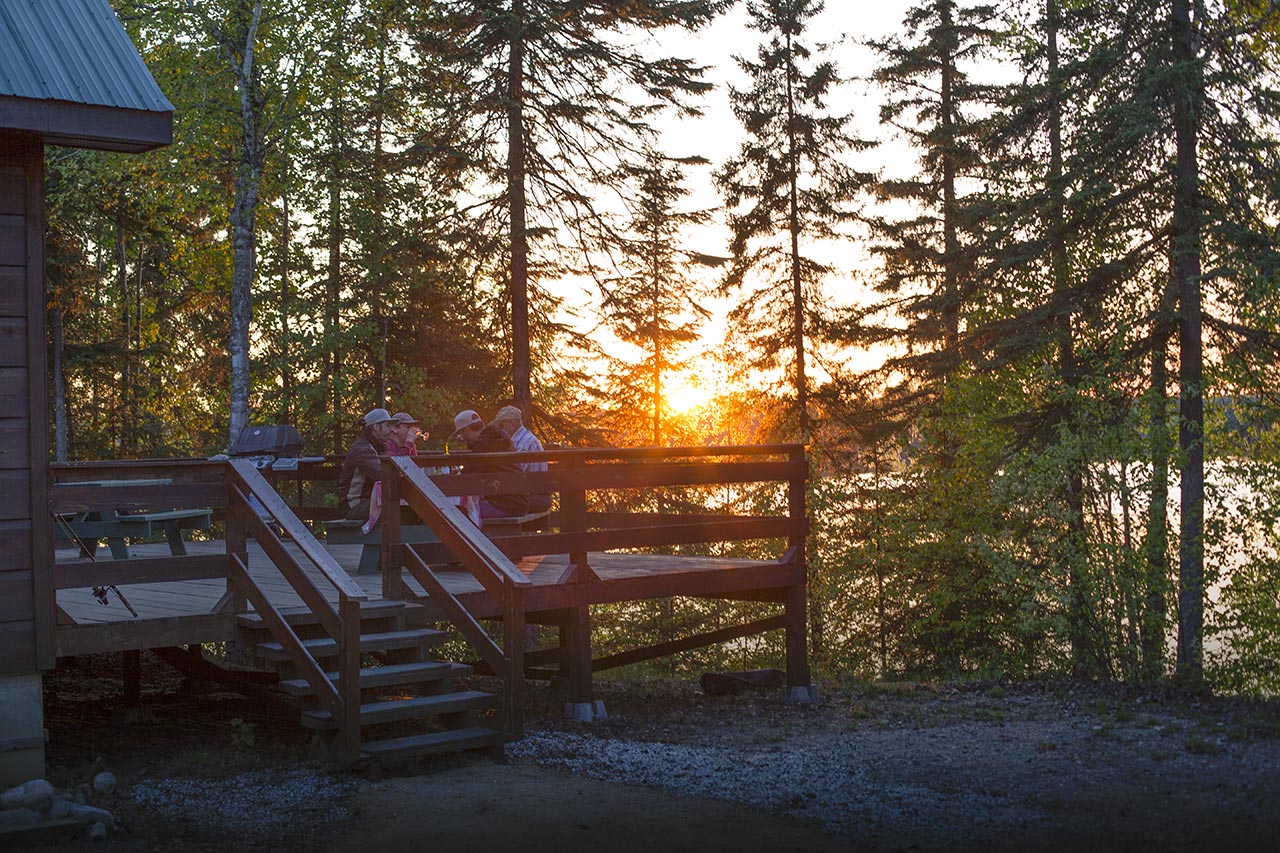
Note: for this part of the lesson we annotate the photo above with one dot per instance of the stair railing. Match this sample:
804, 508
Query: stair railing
402, 478
255, 508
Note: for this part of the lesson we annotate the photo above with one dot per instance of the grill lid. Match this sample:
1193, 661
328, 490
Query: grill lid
274, 440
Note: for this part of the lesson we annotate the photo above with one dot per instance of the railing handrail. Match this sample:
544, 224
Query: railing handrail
251, 478
77, 466
475, 543
619, 454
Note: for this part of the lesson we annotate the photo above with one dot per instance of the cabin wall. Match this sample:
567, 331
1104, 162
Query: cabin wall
26, 623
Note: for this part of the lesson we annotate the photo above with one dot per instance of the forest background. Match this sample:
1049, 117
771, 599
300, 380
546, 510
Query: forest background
1015, 286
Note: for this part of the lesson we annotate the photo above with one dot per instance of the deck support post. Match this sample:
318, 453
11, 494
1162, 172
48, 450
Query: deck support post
798, 690
575, 640
513, 652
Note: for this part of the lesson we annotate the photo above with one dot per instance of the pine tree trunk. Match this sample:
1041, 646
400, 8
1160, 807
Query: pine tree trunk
1083, 656
378, 272
797, 281
521, 364
286, 301
950, 239
1155, 608
1186, 265
333, 281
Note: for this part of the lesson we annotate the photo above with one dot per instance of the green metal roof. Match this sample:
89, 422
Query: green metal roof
69, 72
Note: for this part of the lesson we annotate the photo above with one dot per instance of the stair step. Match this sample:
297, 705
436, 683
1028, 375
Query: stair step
386, 676
474, 737
407, 709
305, 616
385, 642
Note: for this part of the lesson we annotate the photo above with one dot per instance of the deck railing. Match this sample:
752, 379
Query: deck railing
575, 529
255, 508
252, 507
575, 473
402, 479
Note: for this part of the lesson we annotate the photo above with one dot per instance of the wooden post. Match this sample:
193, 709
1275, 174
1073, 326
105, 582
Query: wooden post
576, 640
349, 680
237, 545
513, 651
573, 509
798, 689
392, 578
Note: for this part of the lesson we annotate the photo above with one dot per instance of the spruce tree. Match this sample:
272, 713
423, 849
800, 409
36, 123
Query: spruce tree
554, 95
789, 188
652, 304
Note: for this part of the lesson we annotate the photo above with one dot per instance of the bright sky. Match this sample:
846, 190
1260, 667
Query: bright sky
716, 136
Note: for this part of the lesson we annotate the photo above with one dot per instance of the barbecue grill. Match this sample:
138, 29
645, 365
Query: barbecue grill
276, 446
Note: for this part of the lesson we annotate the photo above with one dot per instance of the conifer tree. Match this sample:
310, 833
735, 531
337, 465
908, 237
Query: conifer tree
788, 188
555, 94
929, 255
652, 304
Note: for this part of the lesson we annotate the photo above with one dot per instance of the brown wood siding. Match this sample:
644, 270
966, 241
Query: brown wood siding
13, 243
17, 646
15, 443
15, 545
15, 596
26, 616
13, 181
13, 292
15, 498
13, 389
13, 342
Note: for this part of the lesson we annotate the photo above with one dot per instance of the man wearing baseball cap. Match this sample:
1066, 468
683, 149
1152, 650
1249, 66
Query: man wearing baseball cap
509, 420
468, 425
361, 468
404, 435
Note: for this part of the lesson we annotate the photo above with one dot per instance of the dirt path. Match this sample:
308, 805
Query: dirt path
539, 810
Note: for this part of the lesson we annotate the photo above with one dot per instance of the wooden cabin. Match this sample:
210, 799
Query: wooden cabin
69, 75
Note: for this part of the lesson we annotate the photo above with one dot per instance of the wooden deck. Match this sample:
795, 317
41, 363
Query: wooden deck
182, 612
593, 550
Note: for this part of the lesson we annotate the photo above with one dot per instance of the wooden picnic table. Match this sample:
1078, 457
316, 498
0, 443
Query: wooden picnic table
86, 529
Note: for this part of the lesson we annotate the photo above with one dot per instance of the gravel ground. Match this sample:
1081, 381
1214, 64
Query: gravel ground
828, 785
261, 803
870, 767
946, 767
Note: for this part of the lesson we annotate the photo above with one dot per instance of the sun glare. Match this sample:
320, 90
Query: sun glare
683, 396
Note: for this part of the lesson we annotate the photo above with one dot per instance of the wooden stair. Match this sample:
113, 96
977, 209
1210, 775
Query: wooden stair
403, 667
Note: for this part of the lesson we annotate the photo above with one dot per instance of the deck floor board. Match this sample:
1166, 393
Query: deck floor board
170, 599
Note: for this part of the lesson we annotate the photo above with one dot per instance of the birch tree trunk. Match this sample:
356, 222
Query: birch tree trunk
243, 237
59, 386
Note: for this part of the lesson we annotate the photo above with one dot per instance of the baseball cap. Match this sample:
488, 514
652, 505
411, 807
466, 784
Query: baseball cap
377, 416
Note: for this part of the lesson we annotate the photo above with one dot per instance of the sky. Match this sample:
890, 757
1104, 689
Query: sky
844, 24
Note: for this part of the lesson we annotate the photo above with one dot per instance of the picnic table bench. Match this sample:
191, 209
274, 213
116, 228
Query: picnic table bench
86, 529
351, 532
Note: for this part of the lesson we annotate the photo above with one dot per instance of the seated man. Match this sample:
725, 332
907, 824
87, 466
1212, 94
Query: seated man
509, 420
403, 440
490, 439
467, 425
361, 469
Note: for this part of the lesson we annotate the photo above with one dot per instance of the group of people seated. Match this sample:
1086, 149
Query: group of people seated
385, 434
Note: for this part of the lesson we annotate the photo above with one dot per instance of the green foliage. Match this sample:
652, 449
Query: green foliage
242, 734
